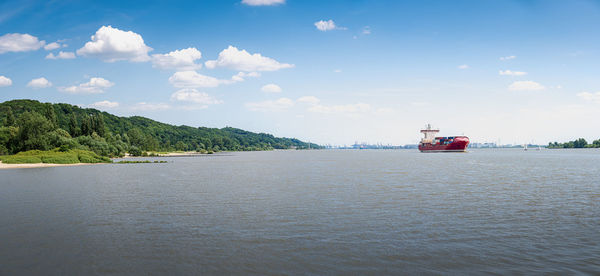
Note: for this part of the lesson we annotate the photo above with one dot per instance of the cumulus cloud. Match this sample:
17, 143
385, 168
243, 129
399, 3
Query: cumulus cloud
241, 76
590, 97
104, 105
280, 104
508, 57
184, 59
19, 43
193, 79
144, 106
311, 100
243, 61
194, 96
525, 86
94, 86
39, 83
4, 81
61, 55
328, 25
111, 44
271, 88
464, 66
263, 2
512, 73
52, 46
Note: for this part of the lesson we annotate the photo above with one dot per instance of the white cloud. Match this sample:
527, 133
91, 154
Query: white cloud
271, 88
39, 83
111, 44
525, 86
144, 106
52, 46
512, 73
337, 70
263, 2
61, 55
341, 109
194, 96
19, 43
104, 105
312, 100
590, 97
94, 86
280, 104
464, 66
328, 25
241, 76
183, 59
4, 81
508, 58
243, 61
191, 79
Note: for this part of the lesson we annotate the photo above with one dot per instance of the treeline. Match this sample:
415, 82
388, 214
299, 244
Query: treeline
577, 144
31, 125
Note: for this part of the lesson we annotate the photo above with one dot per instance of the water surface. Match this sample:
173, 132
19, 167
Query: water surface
308, 212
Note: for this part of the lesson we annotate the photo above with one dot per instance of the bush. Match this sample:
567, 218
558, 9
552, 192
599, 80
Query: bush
135, 151
21, 159
55, 156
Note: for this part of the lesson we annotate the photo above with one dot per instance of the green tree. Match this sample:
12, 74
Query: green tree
136, 137
10, 117
86, 126
33, 130
51, 115
579, 143
180, 146
98, 125
73, 125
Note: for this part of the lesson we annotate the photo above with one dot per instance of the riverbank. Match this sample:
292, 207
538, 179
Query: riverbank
4, 166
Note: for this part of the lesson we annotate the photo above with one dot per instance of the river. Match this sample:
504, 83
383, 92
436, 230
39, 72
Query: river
500, 211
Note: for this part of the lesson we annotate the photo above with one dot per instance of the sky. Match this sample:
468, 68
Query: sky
329, 72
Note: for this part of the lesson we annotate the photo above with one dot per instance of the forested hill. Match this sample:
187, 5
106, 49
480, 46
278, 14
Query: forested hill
29, 124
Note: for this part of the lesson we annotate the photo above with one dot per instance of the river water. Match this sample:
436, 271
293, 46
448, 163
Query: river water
308, 212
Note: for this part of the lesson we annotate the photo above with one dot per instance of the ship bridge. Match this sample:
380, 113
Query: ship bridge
429, 133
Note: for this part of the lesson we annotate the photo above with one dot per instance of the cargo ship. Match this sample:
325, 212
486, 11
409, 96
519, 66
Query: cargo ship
431, 143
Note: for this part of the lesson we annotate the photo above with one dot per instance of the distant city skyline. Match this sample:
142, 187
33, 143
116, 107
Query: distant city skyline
329, 72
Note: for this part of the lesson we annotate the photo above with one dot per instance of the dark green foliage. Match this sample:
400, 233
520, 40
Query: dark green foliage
10, 117
577, 144
73, 125
47, 126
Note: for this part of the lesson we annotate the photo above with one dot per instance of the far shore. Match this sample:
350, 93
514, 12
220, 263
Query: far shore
4, 166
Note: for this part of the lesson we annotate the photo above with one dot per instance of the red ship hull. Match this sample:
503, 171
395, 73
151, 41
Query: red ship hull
446, 144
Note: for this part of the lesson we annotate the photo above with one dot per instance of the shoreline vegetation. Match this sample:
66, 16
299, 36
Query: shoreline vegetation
577, 144
33, 132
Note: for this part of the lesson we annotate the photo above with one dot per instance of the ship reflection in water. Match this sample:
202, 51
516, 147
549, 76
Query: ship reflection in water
431, 143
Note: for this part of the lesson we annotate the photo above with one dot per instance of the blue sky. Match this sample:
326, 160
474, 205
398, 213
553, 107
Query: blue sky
326, 71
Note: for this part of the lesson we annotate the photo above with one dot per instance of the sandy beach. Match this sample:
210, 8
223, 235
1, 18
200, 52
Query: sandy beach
39, 165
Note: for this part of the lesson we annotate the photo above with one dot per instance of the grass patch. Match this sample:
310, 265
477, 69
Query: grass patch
54, 157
